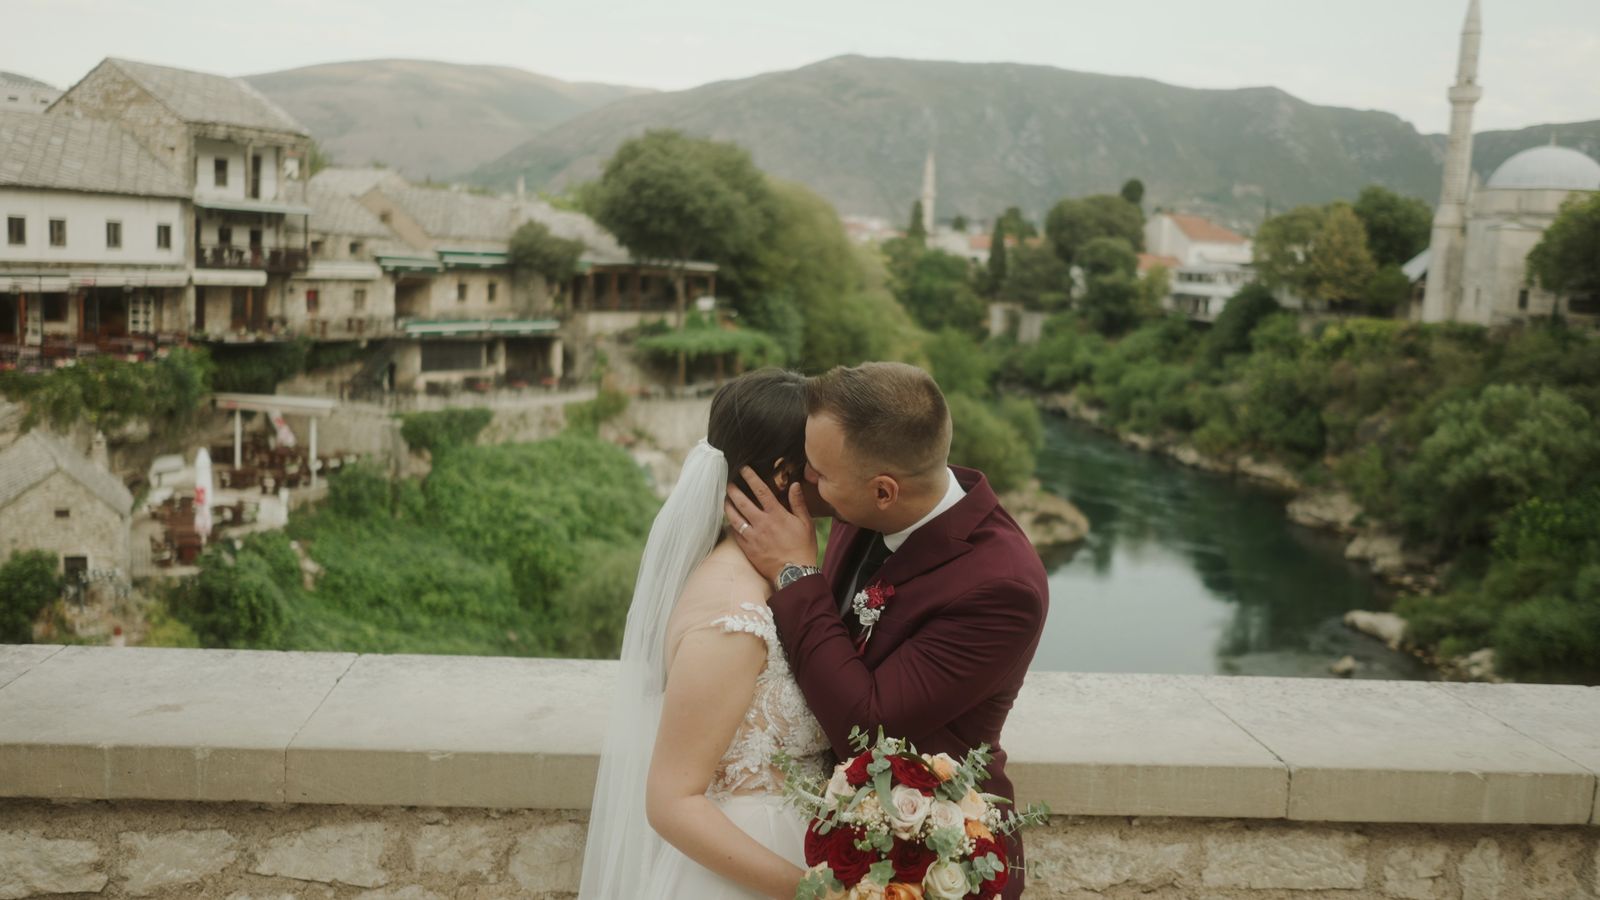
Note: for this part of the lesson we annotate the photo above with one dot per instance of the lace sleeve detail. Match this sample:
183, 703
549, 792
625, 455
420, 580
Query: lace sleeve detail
757, 620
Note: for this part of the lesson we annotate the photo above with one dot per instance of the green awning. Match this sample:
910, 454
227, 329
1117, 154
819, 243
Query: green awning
255, 206
474, 259
453, 327
410, 263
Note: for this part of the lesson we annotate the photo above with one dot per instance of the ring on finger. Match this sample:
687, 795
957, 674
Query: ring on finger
743, 528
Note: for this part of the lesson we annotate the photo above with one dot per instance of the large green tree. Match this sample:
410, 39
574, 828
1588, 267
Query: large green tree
1283, 248
938, 293
1073, 223
997, 256
1340, 263
1038, 279
1133, 192
676, 198
536, 250
916, 230
1017, 225
1397, 226
1567, 259
1108, 256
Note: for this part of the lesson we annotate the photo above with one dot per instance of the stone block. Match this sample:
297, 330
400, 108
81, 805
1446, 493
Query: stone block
1281, 859
344, 854
156, 861
1414, 873
549, 858
31, 865
18, 658
456, 731
409, 892
1553, 866
1560, 717
1082, 860
1482, 872
1394, 751
159, 724
1136, 745
456, 850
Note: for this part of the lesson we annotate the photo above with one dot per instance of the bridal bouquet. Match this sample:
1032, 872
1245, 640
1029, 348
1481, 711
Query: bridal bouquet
895, 824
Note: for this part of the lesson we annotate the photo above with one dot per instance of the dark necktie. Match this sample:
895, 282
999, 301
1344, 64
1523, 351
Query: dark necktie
871, 562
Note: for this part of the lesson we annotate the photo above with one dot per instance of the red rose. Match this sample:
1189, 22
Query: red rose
911, 861
817, 845
913, 774
856, 773
848, 863
981, 848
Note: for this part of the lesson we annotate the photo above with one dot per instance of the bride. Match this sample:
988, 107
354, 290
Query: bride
687, 803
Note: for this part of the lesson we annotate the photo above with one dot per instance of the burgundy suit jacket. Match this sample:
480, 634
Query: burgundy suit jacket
946, 660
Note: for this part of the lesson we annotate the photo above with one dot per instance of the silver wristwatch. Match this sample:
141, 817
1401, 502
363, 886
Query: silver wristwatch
792, 572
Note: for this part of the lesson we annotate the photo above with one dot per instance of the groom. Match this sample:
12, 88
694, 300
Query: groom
945, 661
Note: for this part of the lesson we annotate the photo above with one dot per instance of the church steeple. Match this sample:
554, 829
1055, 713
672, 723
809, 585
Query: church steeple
1449, 222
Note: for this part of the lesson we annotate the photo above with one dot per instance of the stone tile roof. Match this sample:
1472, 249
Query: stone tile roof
38, 455
72, 154
1199, 228
208, 99
336, 212
354, 182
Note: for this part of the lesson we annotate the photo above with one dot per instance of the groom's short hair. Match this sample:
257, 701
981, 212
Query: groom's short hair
892, 414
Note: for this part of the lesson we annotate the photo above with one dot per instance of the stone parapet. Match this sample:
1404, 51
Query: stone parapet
235, 774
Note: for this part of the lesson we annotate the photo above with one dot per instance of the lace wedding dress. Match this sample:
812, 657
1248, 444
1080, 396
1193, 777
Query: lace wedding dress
747, 787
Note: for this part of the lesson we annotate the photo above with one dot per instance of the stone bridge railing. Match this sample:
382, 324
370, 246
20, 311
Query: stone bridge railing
230, 774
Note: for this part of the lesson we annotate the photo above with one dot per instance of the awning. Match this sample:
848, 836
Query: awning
229, 278
294, 406
474, 259
255, 206
410, 263
166, 278
341, 270
17, 283
447, 328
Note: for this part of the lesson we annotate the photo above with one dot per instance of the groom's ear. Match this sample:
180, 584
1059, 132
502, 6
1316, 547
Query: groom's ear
885, 491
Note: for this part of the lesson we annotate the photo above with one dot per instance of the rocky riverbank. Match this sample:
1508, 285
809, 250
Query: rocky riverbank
1382, 551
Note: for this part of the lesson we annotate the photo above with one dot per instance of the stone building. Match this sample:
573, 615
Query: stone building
22, 94
242, 160
96, 249
344, 293
1206, 262
54, 498
1475, 267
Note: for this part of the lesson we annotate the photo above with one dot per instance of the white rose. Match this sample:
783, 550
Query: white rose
839, 789
945, 814
973, 806
945, 881
866, 889
908, 809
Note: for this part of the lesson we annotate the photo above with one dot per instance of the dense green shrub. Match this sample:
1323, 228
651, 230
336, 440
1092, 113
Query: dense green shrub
29, 581
984, 440
587, 416
445, 429
239, 598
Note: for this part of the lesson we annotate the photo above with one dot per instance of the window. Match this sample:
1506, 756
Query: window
492, 286
316, 248
255, 177
359, 298
313, 303
224, 235
142, 315
461, 292
355, 248
54, 308
219, 168
163, 237
200, 309
58, 232
451, 356
113, 235
255, 239
1522, 299
16, 230
63, 513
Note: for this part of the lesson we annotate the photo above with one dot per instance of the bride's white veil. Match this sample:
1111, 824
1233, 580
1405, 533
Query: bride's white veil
622, 847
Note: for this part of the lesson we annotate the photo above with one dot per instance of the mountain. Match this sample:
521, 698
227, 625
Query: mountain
427, 119
857, 131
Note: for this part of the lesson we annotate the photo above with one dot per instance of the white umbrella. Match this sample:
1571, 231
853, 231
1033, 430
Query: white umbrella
285, 436
202, 492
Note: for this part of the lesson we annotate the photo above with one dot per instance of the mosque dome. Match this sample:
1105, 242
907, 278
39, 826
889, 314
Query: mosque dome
1547, 168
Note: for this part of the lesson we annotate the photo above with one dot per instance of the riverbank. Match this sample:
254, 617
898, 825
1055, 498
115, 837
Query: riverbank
1334, 514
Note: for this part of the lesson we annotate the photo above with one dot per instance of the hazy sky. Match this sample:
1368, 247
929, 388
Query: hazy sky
1541, 57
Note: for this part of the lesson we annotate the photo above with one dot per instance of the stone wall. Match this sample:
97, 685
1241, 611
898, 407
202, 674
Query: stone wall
259, 851
91, 529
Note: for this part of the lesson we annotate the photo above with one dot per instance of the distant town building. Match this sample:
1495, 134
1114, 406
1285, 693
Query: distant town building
1206, 263
1475, 268
55, 499
18, 94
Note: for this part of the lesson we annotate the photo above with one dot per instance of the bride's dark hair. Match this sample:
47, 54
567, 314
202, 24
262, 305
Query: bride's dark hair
759, 420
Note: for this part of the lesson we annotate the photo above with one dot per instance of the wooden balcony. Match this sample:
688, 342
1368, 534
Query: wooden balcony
279, 260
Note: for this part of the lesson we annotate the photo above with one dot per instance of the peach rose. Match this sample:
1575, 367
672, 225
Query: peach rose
899, 890
942, 765
866, 889
976, 829
972, 805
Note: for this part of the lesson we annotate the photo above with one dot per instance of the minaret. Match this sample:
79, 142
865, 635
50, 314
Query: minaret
1442, 301
927, 194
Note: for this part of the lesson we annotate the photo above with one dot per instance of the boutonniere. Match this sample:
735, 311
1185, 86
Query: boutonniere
869, 604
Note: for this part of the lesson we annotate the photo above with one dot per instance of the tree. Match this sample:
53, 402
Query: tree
1340, 264
29, 581
536, 250
917, 230
997, 256
1111, 303
1283, 249
1074, 223
1386, 291
959, 223
1133, 192
984, 440
1037, 279
958, 364
317, 159
938, 293
675, 198
1016, 225
1108, 256
1397, 226
1567, 259
1230, 333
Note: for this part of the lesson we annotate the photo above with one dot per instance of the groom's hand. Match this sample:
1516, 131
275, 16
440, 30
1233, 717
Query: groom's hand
771, 536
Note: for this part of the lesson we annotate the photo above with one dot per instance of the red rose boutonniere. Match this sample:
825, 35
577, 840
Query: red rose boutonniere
868, 605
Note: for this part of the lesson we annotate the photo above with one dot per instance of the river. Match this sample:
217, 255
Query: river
1187, 572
